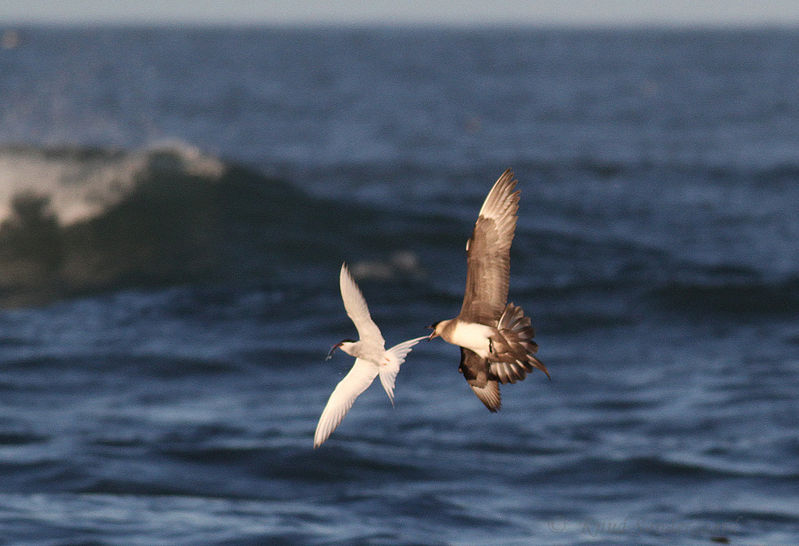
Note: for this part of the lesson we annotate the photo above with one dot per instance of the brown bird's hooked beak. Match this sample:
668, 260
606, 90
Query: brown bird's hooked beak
433, 334
333, 350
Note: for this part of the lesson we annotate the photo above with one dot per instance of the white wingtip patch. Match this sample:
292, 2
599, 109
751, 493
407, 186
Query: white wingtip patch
501, 197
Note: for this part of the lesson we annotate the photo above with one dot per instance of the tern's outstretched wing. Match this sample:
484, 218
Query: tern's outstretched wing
357, 310
394, 359
488, 253
343, 396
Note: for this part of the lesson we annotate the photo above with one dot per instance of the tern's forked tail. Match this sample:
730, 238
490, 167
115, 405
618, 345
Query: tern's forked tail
394, 358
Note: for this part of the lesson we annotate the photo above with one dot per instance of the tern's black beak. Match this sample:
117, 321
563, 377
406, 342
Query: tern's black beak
333, 350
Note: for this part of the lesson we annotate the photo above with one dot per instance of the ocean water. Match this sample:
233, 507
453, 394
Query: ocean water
175, 205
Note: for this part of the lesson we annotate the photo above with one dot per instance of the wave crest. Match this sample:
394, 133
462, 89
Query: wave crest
80, 220
80, 183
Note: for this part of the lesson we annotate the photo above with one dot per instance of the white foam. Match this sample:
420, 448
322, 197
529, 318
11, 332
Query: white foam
402, 263
81, 184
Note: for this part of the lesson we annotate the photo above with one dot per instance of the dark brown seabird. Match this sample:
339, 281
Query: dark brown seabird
495, 338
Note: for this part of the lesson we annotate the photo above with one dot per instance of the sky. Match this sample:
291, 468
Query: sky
450, 12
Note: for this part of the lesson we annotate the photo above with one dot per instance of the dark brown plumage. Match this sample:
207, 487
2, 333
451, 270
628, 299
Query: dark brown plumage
495, 337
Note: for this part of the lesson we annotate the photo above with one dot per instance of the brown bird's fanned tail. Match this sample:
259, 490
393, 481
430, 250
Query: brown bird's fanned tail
515, 349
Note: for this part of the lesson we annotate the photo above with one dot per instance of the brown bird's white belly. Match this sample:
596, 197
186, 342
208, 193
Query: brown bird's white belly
472, 336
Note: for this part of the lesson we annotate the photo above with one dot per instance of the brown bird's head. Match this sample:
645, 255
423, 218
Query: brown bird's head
436, 327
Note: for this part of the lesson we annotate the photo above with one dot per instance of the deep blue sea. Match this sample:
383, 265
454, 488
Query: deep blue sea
175, 205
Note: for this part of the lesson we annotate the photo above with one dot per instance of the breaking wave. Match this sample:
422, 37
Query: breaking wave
76, 221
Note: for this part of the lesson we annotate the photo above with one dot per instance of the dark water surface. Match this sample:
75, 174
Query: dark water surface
175, 207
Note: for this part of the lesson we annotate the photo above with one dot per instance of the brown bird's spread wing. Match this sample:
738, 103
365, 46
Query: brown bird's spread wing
488, 253
475, 370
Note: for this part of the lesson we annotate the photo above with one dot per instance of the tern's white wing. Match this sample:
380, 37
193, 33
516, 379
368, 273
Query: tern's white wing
394, 359
341, 399
357, 309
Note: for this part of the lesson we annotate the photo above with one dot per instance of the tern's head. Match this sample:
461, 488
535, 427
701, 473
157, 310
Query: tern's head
345, 345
